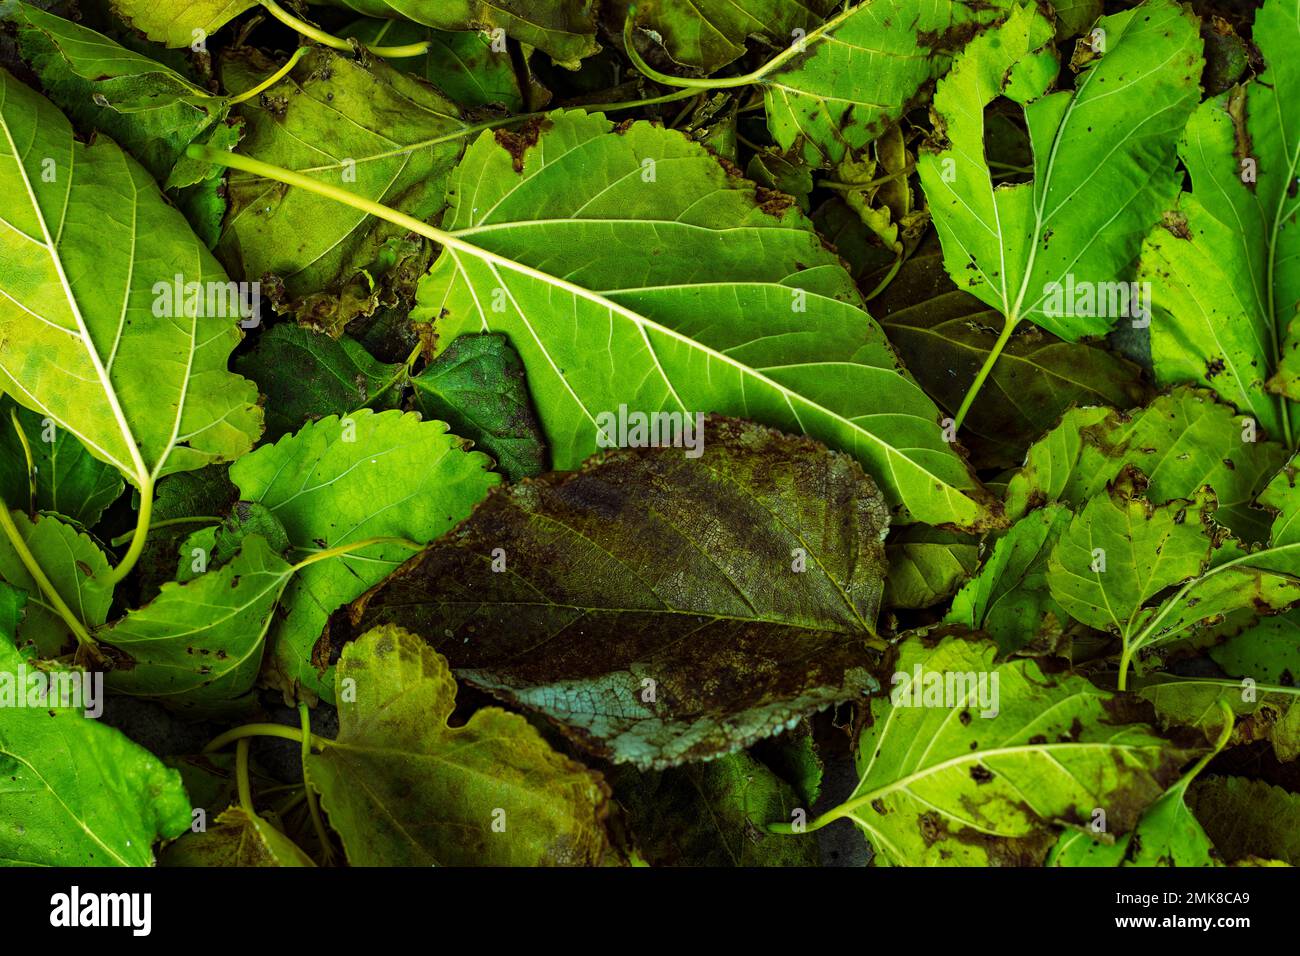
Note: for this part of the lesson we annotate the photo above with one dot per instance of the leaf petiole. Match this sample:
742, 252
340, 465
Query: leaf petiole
994, 354
241, 777
31, 462
138, 538
338, 43
313, 805
125, 538
274, 78
263, 730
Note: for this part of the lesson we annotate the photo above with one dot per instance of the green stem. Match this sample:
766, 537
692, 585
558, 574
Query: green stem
122, 539
338, 43
274, 78
1125, 659
854, 187
241, 777
984, 371
889, 277
31, 462
313, 805
139, 538
42, 581
262, 730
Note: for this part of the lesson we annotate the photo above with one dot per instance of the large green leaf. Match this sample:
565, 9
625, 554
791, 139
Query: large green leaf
76, 792
565, 29
64, 477
340, 482
629, 268
945, 335
1180, 442
401, 787
661, 608
149, 109
944, 783
361, 125
1103, 163
85, 338
71, 561
1225, 269
199, 644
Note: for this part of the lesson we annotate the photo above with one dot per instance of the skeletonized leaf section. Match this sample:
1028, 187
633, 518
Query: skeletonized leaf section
93, 331
661, 608
630, 268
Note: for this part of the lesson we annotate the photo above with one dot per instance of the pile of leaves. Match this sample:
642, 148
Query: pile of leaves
596, 423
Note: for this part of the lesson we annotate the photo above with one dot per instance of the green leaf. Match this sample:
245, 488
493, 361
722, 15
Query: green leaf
1223, 270
1167, 835
477, 386
1248, 818
712, 814
863, 70
630, 268
67, 478
1263, 711
1181, 441
12, 604
708, 34
565, 29
72, 561
463, 65
942, 784
945, 335
927, 565
149, 109
76, 792
339, 482
213, 546
80, 340
1103, 165
341, 122
693, 562
204, 496
1268, 652
199, 645
402, 788
236, 838
1009, 598
306, 376
1120, 551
